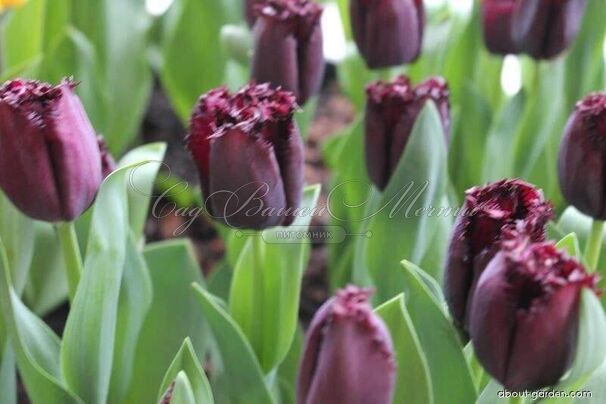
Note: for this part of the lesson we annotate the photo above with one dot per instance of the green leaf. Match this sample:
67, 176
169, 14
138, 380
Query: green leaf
399, 229
35, 345
413, 382
570, 244
267, 312
289, 368
88, 341
240, 364
133, 304
193, 59
149, 159
173, 316
490, 394
182, 391
452, 383
8, 376
187, 361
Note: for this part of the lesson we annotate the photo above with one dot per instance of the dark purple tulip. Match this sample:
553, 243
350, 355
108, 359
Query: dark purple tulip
525, 314
391, 112
545, 28
108, 164
583, 157
388, 32
348, 355
496, 22
50, 165
249, 155
288, 46
488, 212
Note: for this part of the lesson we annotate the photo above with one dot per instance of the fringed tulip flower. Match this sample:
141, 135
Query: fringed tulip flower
496, 23
348, 355
545, 28
525, 314
388, 32
249, 155
488, 212
583, 157
288, 49
50, 165
392, 109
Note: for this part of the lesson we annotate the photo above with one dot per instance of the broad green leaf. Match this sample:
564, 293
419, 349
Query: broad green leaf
240, 365
89, 337
264, 295
490, 394
173, 316
133, 305
187, 361
289, 368
596, 386
403, 227
35, 345
17, 233
413, 382
570, 244
182, 391
149, 159
193, 59
8, 376
439, 340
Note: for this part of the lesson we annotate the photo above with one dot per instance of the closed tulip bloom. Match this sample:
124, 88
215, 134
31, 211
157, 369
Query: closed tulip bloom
545, 28
388, 32
525, 314
288, 46
496, 22
583, 157
249, 155
488, 213
392, 109
348, 355
50, 165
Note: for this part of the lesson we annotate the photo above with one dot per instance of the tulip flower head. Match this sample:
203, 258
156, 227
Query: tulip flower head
545, 28
388, 32
249, 155
583, 156
50, 165
288, 49
392, 109
496, 22
488, 213
525, 313
348, 355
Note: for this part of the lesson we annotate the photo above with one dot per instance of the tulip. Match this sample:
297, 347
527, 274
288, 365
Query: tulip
287, 49
388, 32
249, 155
50, 165
391, 112
488, 212
496, 22
348, 355
583, 157
545, 28
524, 318
108, 164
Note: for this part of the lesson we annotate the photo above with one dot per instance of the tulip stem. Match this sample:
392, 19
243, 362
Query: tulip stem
71, 255
594, 244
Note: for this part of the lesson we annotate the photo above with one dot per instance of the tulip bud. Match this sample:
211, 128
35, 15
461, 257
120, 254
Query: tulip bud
583, 157
488, 212
525, 314
545, 28
388, 32
287, 49
348, 355
391, 112
496, 22
108, 164
50, 165
249, 155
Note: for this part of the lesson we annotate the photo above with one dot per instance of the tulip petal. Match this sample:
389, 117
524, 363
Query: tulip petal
311, 64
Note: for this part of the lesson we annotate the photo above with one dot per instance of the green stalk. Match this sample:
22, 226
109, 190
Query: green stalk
71, 255
594, 245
